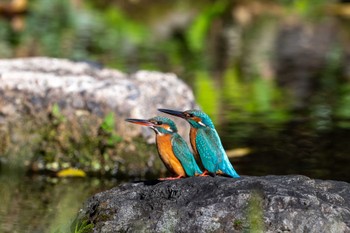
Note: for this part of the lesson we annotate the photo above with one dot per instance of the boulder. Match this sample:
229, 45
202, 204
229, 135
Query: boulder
57, 114
36, 83
218, 204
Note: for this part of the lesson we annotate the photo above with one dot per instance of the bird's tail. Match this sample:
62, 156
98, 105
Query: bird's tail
228, 169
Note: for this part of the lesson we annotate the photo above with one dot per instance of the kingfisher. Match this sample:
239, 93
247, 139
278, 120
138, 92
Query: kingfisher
206, 142
172, 148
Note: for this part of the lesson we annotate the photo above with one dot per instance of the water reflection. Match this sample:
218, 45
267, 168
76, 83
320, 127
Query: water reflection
293, 148
41, 203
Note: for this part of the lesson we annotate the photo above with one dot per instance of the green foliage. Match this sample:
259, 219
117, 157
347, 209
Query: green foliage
57, 28
84, 142
207, 94
83, 226
108, 123
197, 33
48, 27
5, 39
260, 97
309, 9
108, 128
58, 116
128, 31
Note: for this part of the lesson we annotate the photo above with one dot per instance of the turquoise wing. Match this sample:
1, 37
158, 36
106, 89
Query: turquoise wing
212, 150
183, 153
207, 149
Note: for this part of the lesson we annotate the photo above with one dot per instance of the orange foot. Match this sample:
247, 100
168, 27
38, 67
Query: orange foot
171, 178
205, 173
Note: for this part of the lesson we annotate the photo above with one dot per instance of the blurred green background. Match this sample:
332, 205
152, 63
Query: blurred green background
273, 74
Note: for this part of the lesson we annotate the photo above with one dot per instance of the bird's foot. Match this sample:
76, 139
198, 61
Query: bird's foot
221, 173
171, 178
205, 173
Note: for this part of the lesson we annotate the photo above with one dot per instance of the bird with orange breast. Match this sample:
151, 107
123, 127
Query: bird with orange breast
172, 148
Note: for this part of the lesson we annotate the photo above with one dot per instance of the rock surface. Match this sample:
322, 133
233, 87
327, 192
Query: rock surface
56, 113
218, 204
36, 83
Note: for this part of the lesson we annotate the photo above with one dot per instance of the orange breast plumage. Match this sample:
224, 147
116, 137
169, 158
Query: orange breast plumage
193, 134
167, 155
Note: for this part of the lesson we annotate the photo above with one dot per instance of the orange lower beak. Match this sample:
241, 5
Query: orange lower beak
140, 122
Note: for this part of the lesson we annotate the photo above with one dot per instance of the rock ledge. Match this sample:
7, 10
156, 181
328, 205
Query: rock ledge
218, 204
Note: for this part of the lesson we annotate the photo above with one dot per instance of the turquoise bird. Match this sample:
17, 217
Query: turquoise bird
172, 148
206, 142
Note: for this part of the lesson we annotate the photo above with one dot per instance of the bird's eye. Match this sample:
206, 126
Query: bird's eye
158, 122
190, 115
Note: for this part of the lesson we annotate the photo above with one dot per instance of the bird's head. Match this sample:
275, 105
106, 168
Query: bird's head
196, 118
160, 125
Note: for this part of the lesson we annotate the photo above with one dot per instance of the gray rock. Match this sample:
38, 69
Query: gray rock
52, 114
33, 84
218, 204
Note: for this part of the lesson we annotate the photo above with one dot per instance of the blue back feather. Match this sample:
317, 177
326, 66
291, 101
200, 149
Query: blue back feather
212, 153
206, 150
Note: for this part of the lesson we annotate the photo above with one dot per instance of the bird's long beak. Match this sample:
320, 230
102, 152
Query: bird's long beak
173, 112
140, 122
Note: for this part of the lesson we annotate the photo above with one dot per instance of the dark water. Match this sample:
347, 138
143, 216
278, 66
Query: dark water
295, 150
42, 203
280, 92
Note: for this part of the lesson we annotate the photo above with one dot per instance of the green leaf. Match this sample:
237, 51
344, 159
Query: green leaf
56, 112
108, 123
114, 139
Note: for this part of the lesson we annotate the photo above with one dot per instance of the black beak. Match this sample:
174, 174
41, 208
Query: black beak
173, 112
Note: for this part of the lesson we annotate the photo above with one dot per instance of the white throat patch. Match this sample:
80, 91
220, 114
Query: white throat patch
157, 131
202, 124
